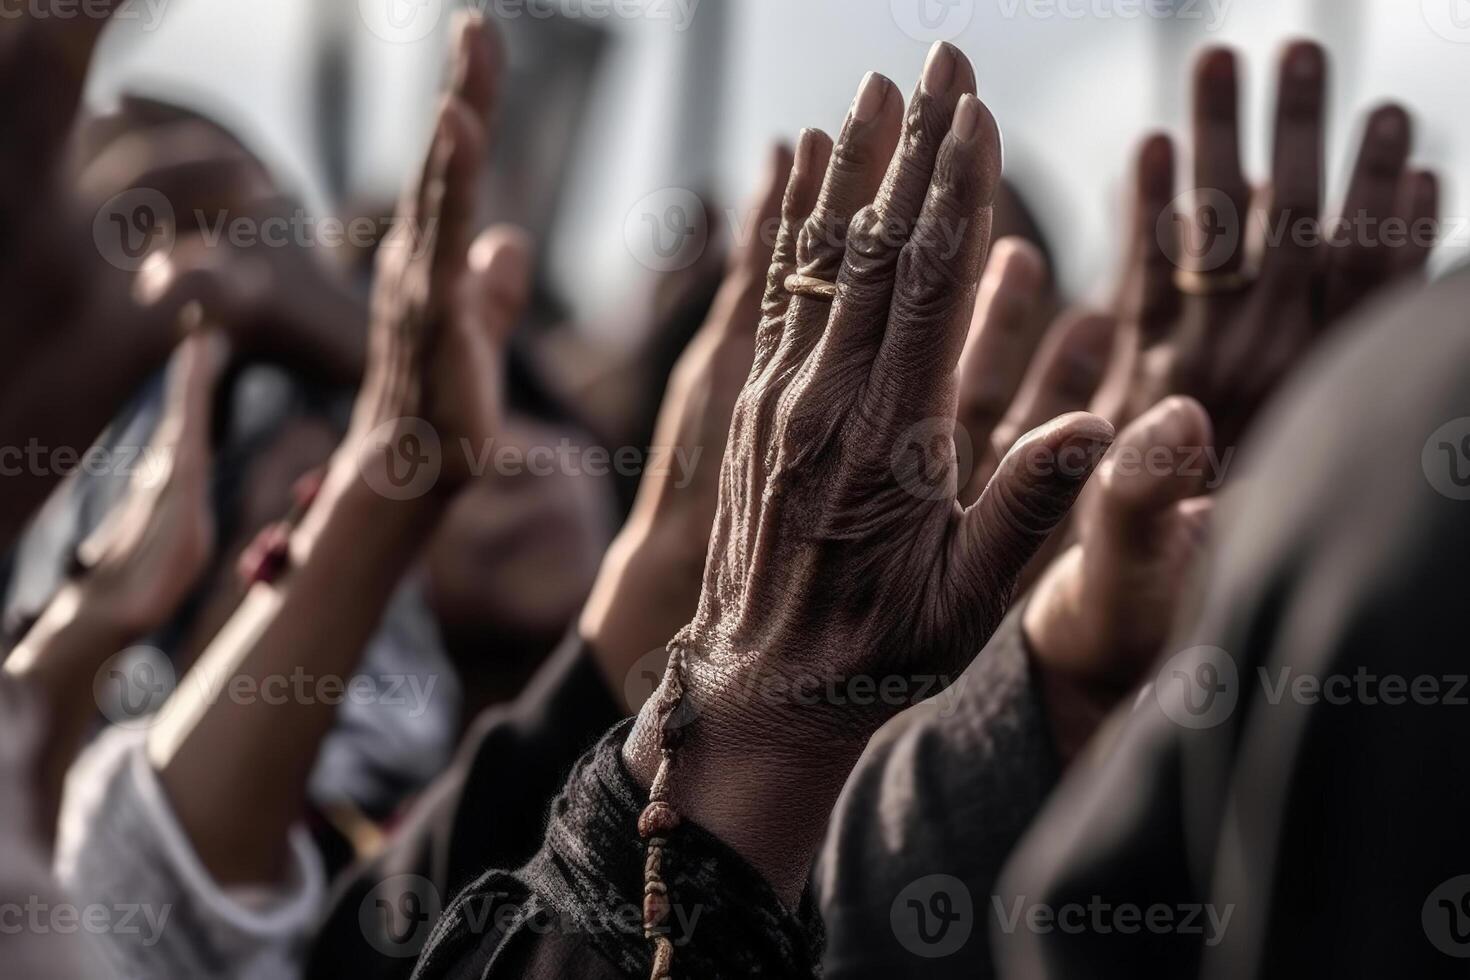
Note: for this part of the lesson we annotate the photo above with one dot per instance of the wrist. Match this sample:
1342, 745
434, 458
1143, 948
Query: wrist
753, 766
646, 590
77, 631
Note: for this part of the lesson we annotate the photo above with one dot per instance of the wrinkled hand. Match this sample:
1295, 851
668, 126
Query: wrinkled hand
141, 562
838, 550
648, 585
1231, 349
1101, 613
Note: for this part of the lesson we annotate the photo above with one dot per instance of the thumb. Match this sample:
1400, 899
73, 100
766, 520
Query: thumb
1032, 491
193, 375
500, 277
1157, 462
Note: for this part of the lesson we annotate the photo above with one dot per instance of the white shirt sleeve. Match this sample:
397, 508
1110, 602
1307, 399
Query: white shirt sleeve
120, 846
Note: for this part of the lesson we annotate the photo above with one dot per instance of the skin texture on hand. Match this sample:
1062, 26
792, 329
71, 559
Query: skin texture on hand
1231, 350
840, 549
648, 586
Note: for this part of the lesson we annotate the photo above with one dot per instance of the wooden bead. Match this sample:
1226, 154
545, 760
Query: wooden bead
657, 819
663, 958
655, 911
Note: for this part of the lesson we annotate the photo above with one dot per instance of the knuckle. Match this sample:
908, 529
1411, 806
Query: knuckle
822, 243
873, 245
928, 285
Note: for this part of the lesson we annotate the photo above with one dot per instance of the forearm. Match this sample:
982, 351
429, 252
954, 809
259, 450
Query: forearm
59, 659
238, 706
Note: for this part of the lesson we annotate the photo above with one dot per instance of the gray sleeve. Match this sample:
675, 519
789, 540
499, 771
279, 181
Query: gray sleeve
120, 849
928, 819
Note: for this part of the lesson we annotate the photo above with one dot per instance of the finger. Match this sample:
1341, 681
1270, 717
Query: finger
448, 197
878, 233
193, 375
1155, 463
1029, 496
937, 272
752, 256
813, 150
500, 277
1217, 169
189, 164
737, 305
1296, 183
1063, 377
1150, 298
1420, 207
854, 173
1359, 260
1004, 333
478, 61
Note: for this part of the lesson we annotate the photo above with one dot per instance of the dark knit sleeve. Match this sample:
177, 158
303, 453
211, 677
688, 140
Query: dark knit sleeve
488, 810
575, 910
907, 877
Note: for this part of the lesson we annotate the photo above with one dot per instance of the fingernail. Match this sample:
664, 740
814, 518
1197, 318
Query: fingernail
1390, 124
1306, 63
465, 22
870, 97
966, 118
939, 68
806, 150
1094, 441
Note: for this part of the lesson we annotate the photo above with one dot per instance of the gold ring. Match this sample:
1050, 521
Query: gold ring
811, 286
1211, 283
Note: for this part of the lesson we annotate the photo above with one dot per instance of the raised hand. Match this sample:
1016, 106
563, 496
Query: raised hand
1014, 377
132, 573
648, 585
441, 312
1101, 613
825, 564
1199, 317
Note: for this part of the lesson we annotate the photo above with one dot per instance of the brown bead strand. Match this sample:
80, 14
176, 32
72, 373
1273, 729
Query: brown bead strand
658, 819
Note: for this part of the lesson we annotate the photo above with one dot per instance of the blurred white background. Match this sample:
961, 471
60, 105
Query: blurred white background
694, 101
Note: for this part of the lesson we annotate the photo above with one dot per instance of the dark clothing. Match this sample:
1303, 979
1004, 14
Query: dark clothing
575, 909
1325, 817
488, 810
929, 816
